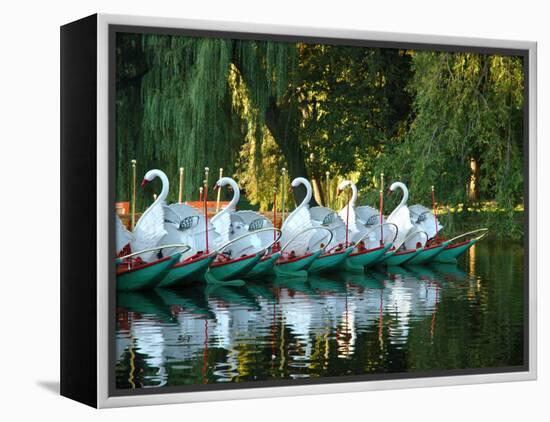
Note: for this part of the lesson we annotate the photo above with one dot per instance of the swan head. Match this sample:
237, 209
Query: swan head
343, 185
224, 181
398, 185
151, 175
299, 181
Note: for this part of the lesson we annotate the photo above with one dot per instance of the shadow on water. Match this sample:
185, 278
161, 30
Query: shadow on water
395, 319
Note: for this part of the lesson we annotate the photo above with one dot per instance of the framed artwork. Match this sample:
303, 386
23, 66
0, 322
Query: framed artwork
252, 210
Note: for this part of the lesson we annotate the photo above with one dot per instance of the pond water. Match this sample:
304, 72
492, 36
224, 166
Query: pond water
387, 320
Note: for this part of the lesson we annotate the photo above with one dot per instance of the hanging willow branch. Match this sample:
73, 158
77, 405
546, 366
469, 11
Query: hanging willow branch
192, 107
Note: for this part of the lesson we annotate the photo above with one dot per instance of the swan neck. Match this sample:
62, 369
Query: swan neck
232, 206
405, 195
309, 193
163, 193
353, 199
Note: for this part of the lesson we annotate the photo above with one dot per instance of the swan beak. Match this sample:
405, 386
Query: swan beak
389, 192
215, 187
338, 192
144, 182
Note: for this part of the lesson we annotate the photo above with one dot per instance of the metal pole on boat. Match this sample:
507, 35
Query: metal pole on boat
435, 213
180, 191
206, 205
283, 179
381, 208
347, 219
274, 211
134, 181
200, 193
219, 192
327, 174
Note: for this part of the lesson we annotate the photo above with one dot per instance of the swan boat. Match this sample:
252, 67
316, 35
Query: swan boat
452, 251
145, 268
245, 238
446, 251
410, 242
185, 225
136, 274
370, 234
304, 239
338, 247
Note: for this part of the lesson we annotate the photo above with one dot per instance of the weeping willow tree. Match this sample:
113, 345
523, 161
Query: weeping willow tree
192, 102
466, 135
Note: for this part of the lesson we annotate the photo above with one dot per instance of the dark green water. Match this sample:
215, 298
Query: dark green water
397, 319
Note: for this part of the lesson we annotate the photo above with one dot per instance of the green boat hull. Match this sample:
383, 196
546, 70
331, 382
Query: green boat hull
296, 265
450, 254
264, 267
428, 254
184, 273
357, 262
400, 258
147, 276
233, 269
329, 261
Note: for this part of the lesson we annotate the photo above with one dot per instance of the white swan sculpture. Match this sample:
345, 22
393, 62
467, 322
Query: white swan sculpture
186, 225
298, 221
401, 217
325, 217
149, 229
362, 219
231, 224
123, 237
424, 220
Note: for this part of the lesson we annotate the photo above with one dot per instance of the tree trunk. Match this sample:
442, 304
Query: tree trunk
283, 124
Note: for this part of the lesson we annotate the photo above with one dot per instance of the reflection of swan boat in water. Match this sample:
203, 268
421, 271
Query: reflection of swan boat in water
408, 300
364, 280
189, 300
145, 303
259, 289
233, 295
294, 284
449, 270
323, 284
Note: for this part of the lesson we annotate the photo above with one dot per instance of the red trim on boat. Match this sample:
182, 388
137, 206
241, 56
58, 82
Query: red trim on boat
405, 252
332, 253
191, 261
231, 261
433, 246
287, 261
366, 251
120, 270
457, 245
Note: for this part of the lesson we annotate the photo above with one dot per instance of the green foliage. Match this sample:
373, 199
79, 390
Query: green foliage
184, 110
452, 120
468, 109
